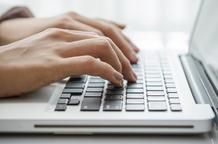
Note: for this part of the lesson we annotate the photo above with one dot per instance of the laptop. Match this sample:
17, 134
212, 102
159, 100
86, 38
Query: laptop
174, 94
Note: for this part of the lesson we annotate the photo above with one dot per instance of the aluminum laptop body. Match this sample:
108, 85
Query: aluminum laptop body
174, 94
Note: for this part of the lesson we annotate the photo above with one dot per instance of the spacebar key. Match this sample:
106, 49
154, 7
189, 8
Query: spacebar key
91, 104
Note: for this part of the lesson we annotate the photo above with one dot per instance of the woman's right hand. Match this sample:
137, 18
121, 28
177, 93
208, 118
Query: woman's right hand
54, 54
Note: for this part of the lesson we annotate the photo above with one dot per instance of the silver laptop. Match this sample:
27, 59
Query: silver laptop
174, 94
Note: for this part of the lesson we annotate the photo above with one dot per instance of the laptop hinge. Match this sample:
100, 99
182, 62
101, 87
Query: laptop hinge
199, 83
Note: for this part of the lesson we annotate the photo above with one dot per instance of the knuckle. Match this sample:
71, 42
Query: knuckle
71, 14
98, 32
104, 42
52, 31
109, 29
89, 61
63, 21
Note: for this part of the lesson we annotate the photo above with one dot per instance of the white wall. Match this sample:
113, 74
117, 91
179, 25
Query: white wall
161, 15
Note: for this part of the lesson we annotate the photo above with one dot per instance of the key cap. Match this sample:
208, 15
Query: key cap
112, 87
172, 95
60, 107
153, 80
157, 106
135, 101
113, 105
71, 85
96, 85
152, 84
94, 89
175, 107
74, 101
154, 88
91, 104
156, 98
65, 96
134, 96
93, 94
155, 93
153, 76
135, 86
174, 101
138, 107
73, 91
97, 80
81, 79
113, 97
169, 85
171, 90
114, 92
62, 101
135, 91
138, 81
169, 81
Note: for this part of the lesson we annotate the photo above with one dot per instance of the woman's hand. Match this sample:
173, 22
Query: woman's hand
16, 29
54, 54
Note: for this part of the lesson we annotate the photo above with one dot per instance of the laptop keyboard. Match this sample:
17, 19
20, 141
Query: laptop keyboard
154, 90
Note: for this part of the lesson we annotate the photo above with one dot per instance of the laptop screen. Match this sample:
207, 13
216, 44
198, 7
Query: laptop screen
204, 40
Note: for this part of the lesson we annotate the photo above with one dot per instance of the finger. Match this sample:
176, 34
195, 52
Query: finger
76, 25
70, 35
126, 66
91, 66
114, 34
96, 47
119, 25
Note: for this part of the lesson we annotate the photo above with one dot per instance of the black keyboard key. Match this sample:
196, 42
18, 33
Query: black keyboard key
138, 107
65, 96
91, 104
113, 97
81, 79
96, 85
135, 86
114, 92
113, 105
94, 90
97, 80
72, 85
93, 94
60, 107
73, 91
62, 101
74, 101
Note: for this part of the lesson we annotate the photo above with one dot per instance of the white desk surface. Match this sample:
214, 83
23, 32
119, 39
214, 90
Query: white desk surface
153, 40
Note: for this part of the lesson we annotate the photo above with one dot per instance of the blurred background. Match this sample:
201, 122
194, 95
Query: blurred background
161, 16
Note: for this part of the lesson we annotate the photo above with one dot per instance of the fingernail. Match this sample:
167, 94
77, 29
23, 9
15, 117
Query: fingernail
134, 77
119, 78
134, 58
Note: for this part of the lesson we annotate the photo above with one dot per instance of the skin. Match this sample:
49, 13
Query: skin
17, 29
54, 54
